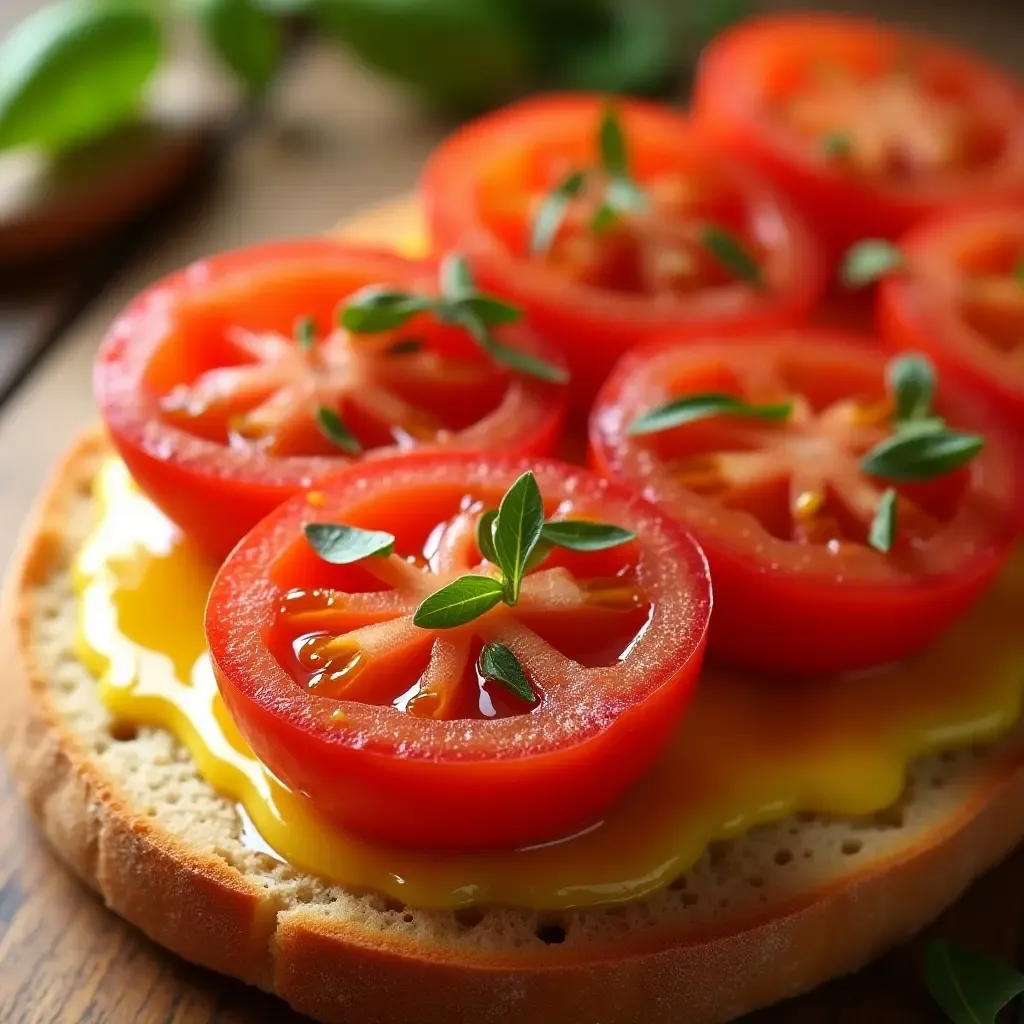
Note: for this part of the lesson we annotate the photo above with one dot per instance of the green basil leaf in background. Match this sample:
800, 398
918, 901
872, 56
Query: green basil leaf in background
882, 531
342, 545
585, 535
911, 380
485, 535
462, 54
970, 986
868, 260
244, 36
75, 70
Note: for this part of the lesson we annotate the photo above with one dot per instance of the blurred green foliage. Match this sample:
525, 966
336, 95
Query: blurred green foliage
78, 68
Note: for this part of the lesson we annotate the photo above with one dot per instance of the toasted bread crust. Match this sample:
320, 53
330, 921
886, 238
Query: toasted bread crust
207, 911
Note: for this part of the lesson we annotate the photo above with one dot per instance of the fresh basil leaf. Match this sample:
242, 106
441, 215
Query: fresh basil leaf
698, 407
918, 455
377, 308
498, 663
342, 545
335, 431
516, 532
612, 144
882, 532
835, 144
624, 196
583, 535
305, 333
73, 71
970, 987
867, 261
455, 278
911, 380
552, 212
538, 555
732, 254
462, 601
526, 362
485, 535
603, 220
405, 347
489, 311
245, 37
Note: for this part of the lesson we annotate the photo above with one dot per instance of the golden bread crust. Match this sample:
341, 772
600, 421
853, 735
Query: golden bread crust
199, 905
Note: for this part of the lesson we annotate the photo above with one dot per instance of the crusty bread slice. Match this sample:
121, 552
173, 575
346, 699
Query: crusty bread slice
758, 919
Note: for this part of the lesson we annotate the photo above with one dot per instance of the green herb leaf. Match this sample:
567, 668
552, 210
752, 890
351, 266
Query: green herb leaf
489, 311
526, 362
335, 431
603, 220
583, 535
455, 278
516, 532
1019, 273
698, 407
835, 144
551, 214
538, 555
245, 37
497, 662
918, 455
378, 308
485, 535
732, 254
612, 144
305, 333
970, 987
623, 195
463, 600
867, 261
342, 545
405, 347
911, 380
73, 71
883, 527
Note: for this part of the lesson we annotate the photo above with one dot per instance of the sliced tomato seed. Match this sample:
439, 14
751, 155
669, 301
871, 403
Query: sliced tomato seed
338, 664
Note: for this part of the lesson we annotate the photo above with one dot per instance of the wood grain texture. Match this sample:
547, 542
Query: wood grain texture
64, 959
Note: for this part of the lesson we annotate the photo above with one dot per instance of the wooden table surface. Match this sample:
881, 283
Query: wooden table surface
296, 168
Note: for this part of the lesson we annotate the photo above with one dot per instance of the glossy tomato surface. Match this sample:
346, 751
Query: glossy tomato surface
960, 299
783, 509
214, 403
389, 728
868, 128
597, 293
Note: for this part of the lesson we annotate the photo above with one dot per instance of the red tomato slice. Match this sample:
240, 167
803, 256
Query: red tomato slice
783, 510
961, 300
388, 727
214, 405
869, 128
599, 293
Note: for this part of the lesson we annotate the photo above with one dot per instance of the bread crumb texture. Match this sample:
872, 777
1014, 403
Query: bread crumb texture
117, 799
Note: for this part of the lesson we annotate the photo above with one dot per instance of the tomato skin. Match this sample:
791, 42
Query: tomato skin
782, 607
458, 784
216, 492
918, 310
743, 68
595, 326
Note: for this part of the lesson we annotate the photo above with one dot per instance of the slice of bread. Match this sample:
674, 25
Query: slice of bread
758, 919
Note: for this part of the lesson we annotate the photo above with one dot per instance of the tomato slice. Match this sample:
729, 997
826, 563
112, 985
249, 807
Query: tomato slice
869, 128
960, 299
784, 509
215, 382
389, 728
598, 292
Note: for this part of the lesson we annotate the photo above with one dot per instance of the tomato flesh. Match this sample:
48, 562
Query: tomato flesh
868, 128
598, 292
783, 510
387, 727
213, 402
961, 300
